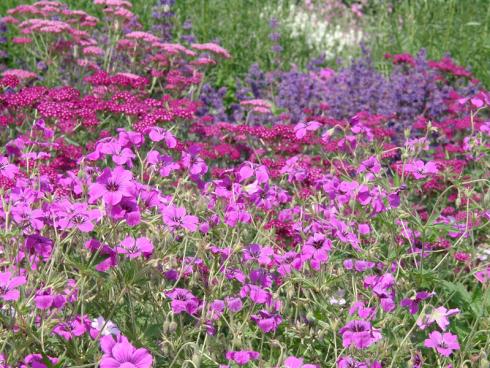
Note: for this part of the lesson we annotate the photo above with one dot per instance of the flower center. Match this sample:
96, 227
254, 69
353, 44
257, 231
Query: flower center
78, 219
112, 187
317, 244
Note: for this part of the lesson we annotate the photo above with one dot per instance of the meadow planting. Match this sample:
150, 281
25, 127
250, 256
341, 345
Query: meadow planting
152, 215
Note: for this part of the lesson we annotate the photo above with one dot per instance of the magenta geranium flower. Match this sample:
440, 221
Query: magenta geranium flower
112, 186
77, 215
443, 343
421, 170
128, 210
360, 334
413, 303
37, 361
483, 276
183, 301
158, 134
266, 321
9, 285
46, 300
242, 357
133, 248
120, 155
122, 354
371, 167
24, 215
316, 250
257, 253
438, 315
293, 362
194, 164
7, 169
301, 129
176, 217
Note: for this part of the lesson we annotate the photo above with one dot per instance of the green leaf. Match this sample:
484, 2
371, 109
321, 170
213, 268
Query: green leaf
459, 290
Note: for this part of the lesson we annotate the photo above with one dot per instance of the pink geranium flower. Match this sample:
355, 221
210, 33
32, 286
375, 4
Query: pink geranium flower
121, 354
7, 169
242, 357
176, 217
9, 285
133, 248
360, 334
293, 362
443, 343
301, 129
112, 186
157, 134
438, 315
316, 250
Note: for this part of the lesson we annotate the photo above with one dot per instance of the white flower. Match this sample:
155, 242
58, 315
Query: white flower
108, 328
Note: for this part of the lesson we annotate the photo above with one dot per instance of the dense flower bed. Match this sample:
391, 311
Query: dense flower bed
314, 219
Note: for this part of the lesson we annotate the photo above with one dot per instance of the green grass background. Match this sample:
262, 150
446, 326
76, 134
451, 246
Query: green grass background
460, 27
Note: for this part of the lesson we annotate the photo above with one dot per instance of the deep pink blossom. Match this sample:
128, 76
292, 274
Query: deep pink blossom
177, 217
360, 334
7, 169
134, 248
122, 354
9, 285
444, 343
112, 186
242, 357
293, 362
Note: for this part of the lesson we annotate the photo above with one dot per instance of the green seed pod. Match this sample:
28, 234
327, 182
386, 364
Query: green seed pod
196, 359
484, 363
172, 327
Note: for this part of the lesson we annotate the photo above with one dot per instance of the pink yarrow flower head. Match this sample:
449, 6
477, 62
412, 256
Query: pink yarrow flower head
444, 343
9, 286
360, 334
121, 353
242, 357
212, 47
112, 186
20, 74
